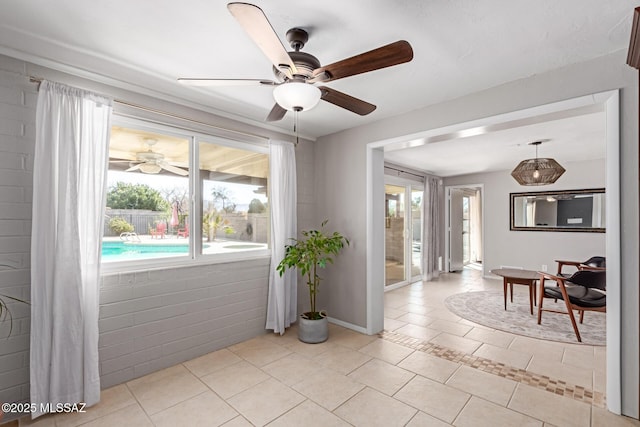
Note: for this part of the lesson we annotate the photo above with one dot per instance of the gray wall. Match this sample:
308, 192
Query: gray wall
532, 249
341, 163
148, 319
151, 320
17, 135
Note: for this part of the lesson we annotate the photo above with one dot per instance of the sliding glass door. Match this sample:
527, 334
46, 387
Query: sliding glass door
416, 233
394, 232
403, 232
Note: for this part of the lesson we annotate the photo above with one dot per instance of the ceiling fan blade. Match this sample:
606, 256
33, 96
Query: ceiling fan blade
348, 102
134, 168
382, 57
173, 169
256, 24
277, 113
225, 82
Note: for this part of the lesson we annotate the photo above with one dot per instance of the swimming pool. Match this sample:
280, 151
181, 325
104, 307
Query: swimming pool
122, 251
113, 251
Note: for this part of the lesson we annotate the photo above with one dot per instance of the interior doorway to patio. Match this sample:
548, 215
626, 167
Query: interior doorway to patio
403, 232
464, 227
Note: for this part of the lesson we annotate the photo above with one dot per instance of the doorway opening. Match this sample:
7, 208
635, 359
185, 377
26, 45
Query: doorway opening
464, 242
610, 101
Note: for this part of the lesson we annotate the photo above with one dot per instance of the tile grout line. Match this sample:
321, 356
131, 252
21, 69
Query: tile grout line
541, 382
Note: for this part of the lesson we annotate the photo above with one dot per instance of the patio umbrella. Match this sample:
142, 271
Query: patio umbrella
174, 216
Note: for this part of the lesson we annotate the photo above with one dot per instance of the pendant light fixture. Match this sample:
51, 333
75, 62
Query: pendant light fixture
537, 171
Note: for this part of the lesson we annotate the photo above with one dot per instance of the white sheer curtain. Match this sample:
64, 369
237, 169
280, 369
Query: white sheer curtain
283, 292
70, 167
432, 227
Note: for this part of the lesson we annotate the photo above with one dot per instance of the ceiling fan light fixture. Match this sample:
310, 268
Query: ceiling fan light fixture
297, 96
150, 168
537, 171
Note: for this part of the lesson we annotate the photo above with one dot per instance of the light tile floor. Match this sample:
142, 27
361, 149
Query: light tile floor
429, 368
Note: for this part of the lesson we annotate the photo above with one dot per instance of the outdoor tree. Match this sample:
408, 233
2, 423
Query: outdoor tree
179, 197
223, 196
212, 221
135, 196
256, 206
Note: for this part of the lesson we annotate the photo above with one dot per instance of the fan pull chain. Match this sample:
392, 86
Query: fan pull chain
295, 124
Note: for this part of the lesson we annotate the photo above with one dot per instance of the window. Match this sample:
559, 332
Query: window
233, 194
159, 206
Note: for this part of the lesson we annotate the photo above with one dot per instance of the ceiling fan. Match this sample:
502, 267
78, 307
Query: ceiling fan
152, 162
297, 72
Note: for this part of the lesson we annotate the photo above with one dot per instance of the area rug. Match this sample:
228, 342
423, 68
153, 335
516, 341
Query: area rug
487, 308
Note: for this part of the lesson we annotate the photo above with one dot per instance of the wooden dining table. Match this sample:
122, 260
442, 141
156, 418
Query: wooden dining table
516, 276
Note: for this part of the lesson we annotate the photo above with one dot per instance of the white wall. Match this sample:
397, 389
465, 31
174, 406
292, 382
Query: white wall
341, 163
532, 249
148, 319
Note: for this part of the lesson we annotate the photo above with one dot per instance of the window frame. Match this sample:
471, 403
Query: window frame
195, 256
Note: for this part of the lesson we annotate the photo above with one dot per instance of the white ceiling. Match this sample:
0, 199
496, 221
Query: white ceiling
570, 136
460, 47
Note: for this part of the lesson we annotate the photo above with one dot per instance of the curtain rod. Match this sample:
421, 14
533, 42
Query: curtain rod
402, 171
39, 80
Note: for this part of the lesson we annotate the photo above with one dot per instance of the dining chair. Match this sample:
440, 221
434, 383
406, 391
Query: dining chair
593, 263
584, 290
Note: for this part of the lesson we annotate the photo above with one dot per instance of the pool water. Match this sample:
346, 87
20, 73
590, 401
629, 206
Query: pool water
114, 251
122, 251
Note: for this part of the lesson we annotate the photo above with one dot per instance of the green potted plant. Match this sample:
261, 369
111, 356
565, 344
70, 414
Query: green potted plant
315, 250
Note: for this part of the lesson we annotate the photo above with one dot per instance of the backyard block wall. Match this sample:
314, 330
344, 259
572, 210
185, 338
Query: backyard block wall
394, 239
149, 320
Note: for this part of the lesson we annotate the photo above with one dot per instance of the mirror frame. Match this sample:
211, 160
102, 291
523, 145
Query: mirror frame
513, 227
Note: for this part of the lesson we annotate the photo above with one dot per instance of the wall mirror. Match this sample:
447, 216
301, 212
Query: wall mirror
567, 210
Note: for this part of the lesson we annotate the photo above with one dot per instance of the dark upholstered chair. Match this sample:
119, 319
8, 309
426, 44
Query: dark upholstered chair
584, 291
593, 263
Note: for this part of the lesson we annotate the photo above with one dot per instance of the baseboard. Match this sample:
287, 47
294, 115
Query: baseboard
348, 325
